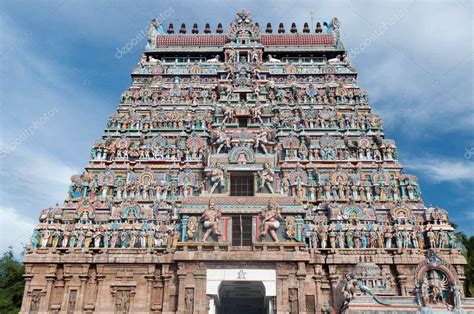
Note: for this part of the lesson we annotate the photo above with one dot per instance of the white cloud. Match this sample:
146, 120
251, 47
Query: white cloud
34, 176
15, 229
440, 170
32, 181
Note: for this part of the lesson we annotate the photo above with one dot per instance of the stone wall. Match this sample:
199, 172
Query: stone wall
142, 281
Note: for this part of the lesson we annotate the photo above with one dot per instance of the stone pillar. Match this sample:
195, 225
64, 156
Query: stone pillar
166, 277
200, 299
282, 293
65, 301
50, 278
150, 279
334, 279
317, 282
181, 290
402, 280
100, 287
25, 303
157, 300
301, 276
81, 292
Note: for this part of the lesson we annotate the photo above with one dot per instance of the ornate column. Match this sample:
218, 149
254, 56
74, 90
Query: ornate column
200, 299
80, 297
166, 277
333, 279
282, 293
64, 303
301, 276
184, 228
181, 289
100, 284
317, 282
157, 301
25, 303
402, 277
50, 278
150, 279
402, 280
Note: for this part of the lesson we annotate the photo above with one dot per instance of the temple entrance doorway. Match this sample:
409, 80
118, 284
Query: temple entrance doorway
237, 297
243, 290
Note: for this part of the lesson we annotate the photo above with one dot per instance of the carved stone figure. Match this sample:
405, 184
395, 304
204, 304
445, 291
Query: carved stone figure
266, 177
217, 177
348, 291
210, 219
293, 301
271, 220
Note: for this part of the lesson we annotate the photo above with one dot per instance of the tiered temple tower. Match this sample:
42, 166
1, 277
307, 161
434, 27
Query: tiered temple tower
244, 172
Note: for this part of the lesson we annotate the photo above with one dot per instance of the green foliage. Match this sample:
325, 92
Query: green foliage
11, 283
467, 251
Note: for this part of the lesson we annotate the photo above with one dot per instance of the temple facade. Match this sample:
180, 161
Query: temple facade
244, 172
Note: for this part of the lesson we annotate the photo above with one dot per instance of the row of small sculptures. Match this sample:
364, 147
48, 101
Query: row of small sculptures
293, 119
291, 184
132, 190
102, 237
194, 147
340, 90
174, 119
326, 120
357, 191
259, 143
268, 93
321, 237
336, 152
145, 152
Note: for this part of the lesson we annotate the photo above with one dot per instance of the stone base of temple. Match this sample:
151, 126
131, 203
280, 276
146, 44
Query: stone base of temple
218, 278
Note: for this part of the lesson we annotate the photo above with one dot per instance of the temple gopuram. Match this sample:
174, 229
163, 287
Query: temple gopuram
244, 172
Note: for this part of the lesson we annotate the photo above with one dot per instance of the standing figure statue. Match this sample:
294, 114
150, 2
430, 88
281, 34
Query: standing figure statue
261, 140
348, 291
222, 140
271, 220
155, 29
217, 177
211, 221
233, 55
267, 176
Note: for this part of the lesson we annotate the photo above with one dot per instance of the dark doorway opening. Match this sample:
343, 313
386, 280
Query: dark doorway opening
243, 122
236, 297
242, 230
241, 184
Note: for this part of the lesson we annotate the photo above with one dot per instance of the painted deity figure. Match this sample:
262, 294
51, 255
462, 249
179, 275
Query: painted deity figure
155, 29
267, 176
261, 140
271, 220
211, 221
217, 177
35, 239
348, 291
436, 285
388, 240
223, 140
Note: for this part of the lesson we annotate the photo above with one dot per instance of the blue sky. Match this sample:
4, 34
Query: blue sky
61, 78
